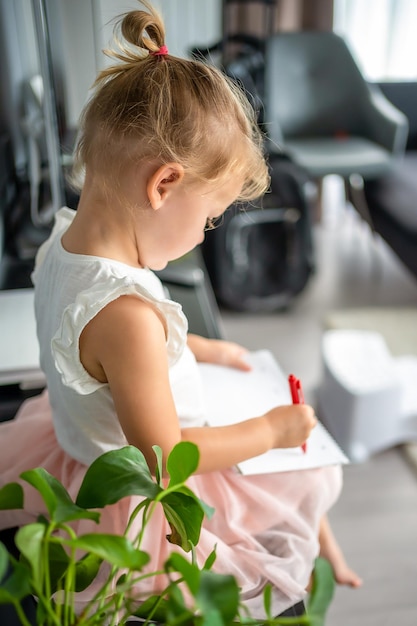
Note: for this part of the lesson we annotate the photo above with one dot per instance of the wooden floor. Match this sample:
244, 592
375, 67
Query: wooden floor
375, 519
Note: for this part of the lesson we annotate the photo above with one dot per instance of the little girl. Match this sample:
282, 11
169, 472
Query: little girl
166, 145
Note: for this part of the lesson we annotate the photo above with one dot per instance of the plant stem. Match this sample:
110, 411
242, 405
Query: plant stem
21, 614
58, 605
46, 603
144, 504
69, 580
118, 598
147, 515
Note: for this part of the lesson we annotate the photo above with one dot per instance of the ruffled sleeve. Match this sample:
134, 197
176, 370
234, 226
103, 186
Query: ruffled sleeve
65, 343
63, 219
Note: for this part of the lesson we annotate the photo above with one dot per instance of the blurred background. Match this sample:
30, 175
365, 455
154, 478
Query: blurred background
332, 248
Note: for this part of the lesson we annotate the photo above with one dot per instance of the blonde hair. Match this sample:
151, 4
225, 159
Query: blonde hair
149, 106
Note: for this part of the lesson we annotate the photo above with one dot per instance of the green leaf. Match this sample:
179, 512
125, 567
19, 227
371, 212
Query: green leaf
86, 569
154, 608
185, 518
4, 561
158, 469
178, 535
182, 462
210, 559
177, 610
60, 506
322, 590
218, 593
115, 549
212, 618
267, 600
189, 571
58, 564
29, 540
11, 497
115, 475
208, 510
16, 586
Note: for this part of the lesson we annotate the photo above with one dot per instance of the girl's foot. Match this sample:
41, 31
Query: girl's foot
330, 550
343, 574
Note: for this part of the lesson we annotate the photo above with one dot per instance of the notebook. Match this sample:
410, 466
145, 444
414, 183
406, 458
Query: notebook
232, 396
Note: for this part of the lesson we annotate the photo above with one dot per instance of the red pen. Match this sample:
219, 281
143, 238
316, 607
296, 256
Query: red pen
297, 396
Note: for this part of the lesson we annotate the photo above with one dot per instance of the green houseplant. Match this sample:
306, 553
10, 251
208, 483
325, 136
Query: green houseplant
51, 569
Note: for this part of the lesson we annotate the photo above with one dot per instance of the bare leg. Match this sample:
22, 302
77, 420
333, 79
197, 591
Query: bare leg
330, 550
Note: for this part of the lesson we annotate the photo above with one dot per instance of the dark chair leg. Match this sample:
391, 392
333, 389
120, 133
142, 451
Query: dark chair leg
356, 194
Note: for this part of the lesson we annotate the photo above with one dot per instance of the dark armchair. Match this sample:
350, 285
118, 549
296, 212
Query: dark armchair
321, 110
319, 106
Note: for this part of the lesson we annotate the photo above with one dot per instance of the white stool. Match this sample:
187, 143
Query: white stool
367, 399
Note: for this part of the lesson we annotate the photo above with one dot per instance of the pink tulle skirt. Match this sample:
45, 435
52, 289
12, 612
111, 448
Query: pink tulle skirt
264, 527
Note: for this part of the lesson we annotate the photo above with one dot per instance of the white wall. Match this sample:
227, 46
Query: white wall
88, 28
79, 54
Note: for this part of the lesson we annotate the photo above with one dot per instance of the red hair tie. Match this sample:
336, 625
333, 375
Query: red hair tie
163, 50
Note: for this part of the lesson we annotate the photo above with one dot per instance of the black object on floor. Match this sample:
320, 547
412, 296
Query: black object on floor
262, 255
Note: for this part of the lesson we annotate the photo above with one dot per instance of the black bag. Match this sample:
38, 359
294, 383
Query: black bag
261, 256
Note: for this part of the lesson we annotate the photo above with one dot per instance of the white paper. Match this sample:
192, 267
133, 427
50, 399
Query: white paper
232, 396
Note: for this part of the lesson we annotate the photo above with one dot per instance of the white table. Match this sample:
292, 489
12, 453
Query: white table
19, 349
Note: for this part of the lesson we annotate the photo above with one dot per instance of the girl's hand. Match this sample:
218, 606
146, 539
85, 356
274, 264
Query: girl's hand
218, 351
290, 425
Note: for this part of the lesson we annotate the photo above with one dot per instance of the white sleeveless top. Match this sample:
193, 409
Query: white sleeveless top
70, 289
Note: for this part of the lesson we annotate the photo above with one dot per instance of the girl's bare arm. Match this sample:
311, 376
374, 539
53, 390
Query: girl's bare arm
218, 351
125, 345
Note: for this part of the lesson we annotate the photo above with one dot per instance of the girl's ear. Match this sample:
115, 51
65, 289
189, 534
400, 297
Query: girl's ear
164, 180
